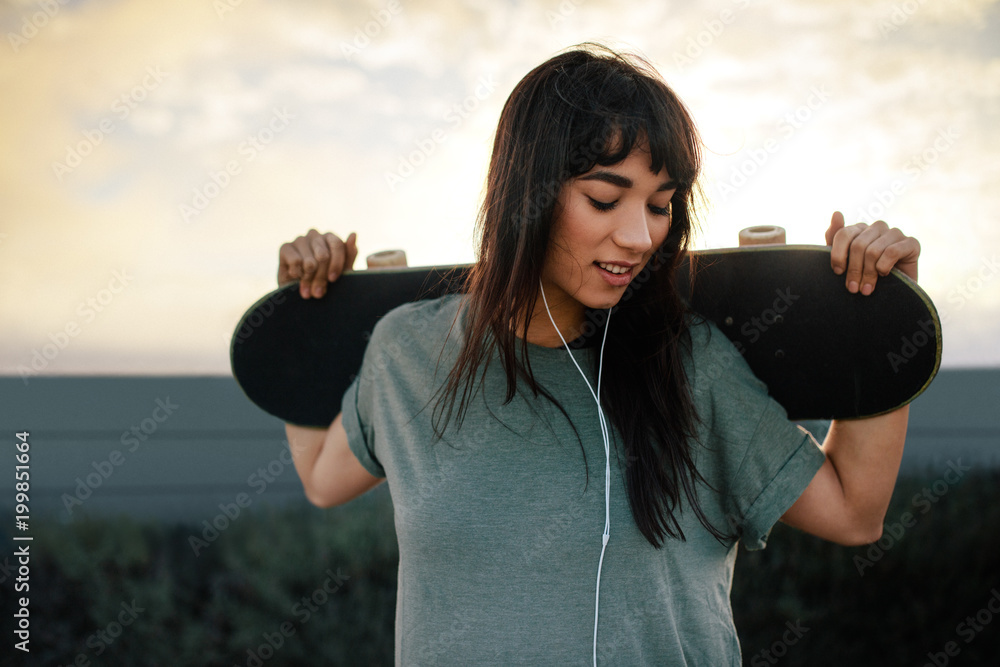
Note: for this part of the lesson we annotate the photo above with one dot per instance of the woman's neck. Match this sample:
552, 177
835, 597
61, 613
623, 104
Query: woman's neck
568, 315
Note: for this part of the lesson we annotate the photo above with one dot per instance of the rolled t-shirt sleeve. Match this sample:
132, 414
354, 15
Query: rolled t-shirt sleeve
355, 410
765, 461
776, 482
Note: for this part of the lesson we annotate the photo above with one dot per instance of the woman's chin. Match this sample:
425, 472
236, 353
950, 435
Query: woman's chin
603, 302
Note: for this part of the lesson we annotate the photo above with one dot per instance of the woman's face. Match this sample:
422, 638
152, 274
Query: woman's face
608, 222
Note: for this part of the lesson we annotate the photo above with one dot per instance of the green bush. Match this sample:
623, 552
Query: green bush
325, 577
890, 603
887, 604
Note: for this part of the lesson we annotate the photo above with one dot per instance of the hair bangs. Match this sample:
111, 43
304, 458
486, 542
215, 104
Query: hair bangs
612, 113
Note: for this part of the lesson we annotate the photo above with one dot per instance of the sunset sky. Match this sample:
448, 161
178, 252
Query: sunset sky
154, 154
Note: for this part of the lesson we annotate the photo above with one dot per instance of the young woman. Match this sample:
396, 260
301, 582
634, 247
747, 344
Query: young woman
570, 353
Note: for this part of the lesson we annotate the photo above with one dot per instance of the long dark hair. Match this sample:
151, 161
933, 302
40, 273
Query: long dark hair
582, 108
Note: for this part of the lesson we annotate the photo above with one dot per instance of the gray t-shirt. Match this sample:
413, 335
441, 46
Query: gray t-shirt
500, 533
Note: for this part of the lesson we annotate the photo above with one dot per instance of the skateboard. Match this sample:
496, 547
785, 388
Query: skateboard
823, 352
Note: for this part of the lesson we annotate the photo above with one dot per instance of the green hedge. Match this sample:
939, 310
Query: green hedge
890, 603
801, 601
243, 591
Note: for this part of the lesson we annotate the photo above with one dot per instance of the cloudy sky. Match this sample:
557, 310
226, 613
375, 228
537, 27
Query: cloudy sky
155, 154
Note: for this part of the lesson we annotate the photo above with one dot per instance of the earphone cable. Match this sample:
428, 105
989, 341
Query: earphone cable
607, 450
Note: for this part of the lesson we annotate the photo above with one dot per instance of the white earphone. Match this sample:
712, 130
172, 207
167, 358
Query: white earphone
607, 451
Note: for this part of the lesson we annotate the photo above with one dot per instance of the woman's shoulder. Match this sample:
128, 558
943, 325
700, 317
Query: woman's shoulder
711, 355
427, 319
706, 339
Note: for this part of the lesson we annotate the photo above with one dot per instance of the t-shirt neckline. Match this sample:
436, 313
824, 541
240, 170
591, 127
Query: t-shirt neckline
581, 343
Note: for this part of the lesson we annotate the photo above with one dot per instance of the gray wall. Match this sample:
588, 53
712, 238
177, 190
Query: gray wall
212, 446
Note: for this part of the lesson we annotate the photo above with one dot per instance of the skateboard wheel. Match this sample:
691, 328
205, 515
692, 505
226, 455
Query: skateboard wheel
386, 259
762, 235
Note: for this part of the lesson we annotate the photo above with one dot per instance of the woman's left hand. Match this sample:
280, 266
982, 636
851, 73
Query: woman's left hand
864, 252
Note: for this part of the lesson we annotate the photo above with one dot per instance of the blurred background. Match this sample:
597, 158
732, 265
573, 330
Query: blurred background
166, 149
154, 155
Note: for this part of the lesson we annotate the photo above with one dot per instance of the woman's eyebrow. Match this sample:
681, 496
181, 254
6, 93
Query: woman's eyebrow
623, 181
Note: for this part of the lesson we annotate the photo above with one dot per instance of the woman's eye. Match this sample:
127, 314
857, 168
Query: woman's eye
601, 205
660, 211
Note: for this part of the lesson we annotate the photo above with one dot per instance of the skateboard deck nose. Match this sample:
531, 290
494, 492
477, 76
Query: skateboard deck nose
823, 352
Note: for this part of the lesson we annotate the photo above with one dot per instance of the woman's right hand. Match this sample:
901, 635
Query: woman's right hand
314, 260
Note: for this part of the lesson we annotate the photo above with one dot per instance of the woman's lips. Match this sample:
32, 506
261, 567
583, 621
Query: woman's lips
615, 273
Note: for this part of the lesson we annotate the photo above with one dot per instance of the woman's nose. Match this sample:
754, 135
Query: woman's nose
632, 231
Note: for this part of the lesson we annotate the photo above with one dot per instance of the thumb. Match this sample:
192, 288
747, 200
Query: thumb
836, 224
